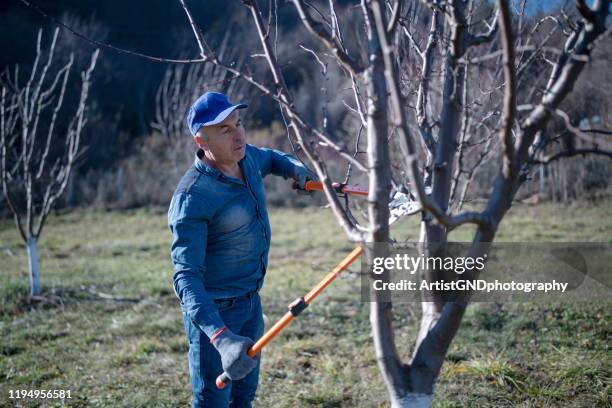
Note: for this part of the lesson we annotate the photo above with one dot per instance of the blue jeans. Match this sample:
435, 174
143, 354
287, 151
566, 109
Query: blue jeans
243, 316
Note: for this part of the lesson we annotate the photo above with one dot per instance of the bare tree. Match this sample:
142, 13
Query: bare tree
476, 83
39, 142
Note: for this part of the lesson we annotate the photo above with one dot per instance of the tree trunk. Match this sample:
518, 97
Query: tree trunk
32, 245
381, 309
440, 320
541, 185
414, 400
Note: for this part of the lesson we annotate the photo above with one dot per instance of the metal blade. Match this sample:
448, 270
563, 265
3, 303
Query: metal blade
402, 205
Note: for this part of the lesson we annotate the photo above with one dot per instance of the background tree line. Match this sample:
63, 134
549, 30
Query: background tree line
137, 145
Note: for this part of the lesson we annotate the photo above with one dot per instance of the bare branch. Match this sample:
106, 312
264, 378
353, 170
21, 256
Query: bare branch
483, 38
358, 101
281, 96
498, 53
579, 133
409, 152
509, 109
65, 71
551, 18
23, 108
413, 41
563, 59
485, 153
197, 32
504, 189
584, 10
602, 131
109, 46
330, 42
395, 16
423, 91
298, 126
56, 188
8, 114
570, 153
321, 64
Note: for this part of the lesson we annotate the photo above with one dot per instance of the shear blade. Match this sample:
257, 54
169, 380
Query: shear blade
402, 205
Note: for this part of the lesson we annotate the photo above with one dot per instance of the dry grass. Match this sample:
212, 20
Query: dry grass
120, 353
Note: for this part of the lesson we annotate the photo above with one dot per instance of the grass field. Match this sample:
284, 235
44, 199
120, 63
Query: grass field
131, 351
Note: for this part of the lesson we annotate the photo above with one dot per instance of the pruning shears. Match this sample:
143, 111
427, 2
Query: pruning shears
401, 204
340, 188
295, 308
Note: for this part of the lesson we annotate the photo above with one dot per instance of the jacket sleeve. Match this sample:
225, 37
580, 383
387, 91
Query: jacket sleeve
274, 161
188, 222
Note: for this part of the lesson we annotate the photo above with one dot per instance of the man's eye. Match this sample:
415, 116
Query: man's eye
239, 124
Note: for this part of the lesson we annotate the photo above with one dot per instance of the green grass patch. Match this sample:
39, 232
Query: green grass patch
110, 329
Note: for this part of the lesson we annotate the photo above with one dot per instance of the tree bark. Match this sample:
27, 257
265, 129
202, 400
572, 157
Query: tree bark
32, 246
381, 308
450, 120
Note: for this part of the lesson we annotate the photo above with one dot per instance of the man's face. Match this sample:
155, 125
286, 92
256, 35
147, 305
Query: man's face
224, 143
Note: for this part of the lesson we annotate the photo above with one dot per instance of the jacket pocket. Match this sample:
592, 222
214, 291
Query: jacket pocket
224, 304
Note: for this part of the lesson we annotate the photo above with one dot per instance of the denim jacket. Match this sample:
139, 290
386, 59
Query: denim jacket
221, 233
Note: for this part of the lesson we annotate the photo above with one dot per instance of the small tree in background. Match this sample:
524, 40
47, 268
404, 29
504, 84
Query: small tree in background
40, 142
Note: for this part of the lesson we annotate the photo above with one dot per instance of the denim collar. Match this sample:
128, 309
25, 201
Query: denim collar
204, 168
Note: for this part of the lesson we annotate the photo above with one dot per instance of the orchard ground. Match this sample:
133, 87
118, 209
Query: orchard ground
109, 329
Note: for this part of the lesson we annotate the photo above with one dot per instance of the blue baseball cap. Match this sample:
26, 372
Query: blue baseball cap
210, 109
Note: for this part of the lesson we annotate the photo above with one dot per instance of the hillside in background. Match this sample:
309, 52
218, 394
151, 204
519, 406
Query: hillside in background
116, 170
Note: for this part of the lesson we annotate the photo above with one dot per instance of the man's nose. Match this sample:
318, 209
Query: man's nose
238, 135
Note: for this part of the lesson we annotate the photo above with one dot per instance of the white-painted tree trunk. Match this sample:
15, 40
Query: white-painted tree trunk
32, 245
414, 400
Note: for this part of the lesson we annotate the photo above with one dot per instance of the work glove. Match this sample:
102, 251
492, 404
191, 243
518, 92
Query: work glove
301, 175
234, 358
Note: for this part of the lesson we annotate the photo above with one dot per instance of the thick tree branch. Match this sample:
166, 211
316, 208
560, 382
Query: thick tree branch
423, 90
298, 127
408, 149
381, 309
504, 189
509, 108
570, 153
584, 10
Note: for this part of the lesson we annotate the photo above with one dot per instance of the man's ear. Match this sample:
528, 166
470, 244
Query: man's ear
200, 139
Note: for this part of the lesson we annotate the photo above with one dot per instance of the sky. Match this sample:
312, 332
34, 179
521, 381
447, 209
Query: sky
533, 6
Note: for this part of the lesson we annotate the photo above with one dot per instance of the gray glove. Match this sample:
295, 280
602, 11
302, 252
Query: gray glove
302, 175
233, 350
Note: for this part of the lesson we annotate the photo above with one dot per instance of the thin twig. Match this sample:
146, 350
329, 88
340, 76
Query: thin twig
110, 46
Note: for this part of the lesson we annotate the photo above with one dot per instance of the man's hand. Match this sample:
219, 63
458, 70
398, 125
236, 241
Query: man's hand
233, 350
301, 175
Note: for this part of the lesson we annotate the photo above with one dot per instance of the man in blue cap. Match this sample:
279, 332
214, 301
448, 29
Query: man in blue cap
221, 237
